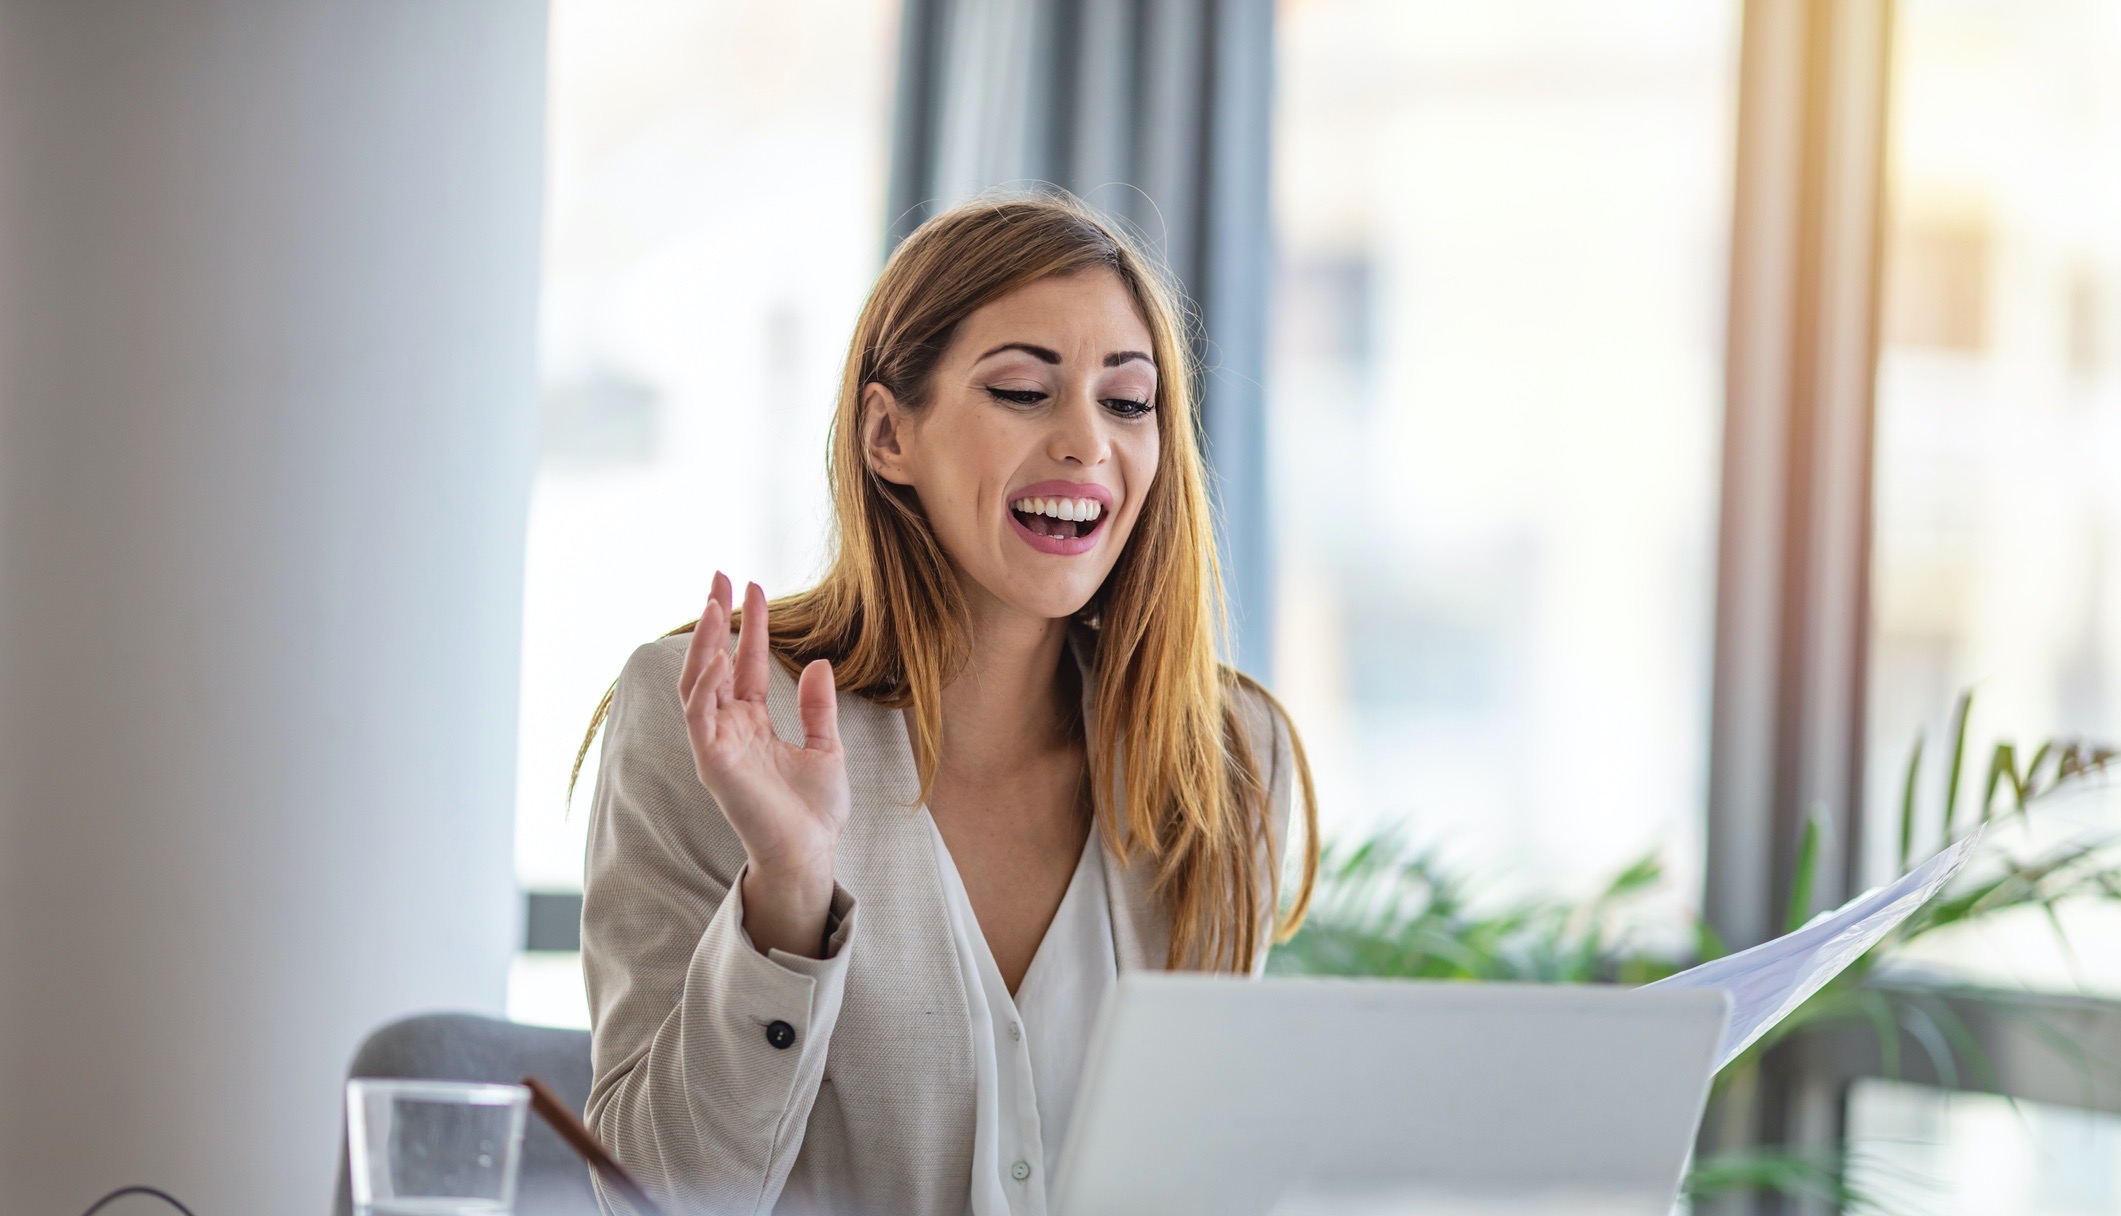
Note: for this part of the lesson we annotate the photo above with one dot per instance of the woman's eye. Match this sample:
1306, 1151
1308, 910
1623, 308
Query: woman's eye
1017, 396
1127, 407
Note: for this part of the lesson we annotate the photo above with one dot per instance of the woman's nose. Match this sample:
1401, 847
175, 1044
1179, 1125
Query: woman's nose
1079, 430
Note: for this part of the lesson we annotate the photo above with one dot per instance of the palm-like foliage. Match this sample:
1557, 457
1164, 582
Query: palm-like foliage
1384, 908
1998, 881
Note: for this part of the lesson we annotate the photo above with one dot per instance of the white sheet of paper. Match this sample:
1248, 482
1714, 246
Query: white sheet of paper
1768, 982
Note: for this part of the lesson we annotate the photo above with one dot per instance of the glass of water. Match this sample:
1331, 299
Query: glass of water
433, 1148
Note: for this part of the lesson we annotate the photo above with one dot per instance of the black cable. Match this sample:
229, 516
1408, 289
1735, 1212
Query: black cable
123, 1191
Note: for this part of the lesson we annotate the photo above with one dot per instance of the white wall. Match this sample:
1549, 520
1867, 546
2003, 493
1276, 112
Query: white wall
268, 278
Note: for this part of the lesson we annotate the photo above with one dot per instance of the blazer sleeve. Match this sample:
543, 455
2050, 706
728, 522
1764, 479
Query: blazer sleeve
707, 1053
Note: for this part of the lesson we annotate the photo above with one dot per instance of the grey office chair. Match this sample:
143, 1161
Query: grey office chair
467, 1047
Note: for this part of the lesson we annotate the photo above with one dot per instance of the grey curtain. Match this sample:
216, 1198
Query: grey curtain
1158, 112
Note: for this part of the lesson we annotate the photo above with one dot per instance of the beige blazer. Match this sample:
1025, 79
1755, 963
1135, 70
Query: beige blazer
731, 1081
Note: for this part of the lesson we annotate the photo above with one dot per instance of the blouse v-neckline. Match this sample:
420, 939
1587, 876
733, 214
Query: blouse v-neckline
1028, 1048
1080, 880
1140, 934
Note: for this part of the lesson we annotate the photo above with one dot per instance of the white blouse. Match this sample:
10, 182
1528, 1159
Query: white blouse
1027, 1052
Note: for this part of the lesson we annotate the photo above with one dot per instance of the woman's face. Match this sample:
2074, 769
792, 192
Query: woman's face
1036, 448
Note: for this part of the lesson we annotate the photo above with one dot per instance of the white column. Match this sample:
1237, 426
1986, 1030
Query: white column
268, 277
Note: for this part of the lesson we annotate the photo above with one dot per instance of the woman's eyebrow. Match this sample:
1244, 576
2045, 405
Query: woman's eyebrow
1046, 354
1040, 353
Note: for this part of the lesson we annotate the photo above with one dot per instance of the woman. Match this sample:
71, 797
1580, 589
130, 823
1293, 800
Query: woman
843, 950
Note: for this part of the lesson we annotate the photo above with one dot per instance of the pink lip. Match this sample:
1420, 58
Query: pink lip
1061, 546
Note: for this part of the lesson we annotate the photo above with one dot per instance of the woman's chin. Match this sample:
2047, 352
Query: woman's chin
1044, 596
1057, 607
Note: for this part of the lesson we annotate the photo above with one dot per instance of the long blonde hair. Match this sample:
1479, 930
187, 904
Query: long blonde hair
1172, 776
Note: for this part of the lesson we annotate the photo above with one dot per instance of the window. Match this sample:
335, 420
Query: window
1495, 389
1997, 551
714, 217
1917, 1149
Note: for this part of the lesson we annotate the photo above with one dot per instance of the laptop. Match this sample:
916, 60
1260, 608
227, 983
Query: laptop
1220, 1096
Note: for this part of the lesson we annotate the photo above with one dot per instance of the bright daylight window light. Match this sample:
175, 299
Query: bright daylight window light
1996, 561
1496, 387
713, 218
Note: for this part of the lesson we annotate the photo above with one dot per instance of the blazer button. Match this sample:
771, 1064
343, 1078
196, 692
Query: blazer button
781, 1035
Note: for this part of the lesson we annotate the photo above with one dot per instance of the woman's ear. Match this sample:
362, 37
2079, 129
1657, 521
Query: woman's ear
884, 434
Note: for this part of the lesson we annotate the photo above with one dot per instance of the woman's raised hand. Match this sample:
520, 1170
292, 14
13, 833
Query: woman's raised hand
788, 804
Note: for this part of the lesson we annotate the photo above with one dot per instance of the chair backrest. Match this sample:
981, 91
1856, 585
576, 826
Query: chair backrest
467, 1047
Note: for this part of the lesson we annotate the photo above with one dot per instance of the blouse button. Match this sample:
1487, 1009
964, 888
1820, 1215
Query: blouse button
1020, 1171
1016, 1031
781, 1035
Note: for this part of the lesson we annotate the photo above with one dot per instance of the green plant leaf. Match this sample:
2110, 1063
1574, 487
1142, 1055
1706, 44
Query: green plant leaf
1382, 908
1708, 944
2002, 764
1921, 1024
1800, 906
1646, 872
1907, 804
2069, 952
1960, 713
1776, 1170
1879, 1008
1966, 1046
2028, 789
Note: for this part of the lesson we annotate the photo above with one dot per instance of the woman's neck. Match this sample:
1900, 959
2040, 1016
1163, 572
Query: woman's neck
1011, 702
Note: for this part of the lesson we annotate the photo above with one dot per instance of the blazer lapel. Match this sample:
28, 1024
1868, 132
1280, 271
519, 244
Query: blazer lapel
1141, 936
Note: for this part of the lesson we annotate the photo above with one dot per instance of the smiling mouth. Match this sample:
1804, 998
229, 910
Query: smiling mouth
1060, 518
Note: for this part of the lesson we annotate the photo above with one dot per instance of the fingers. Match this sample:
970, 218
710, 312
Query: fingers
703, 682
697, 651
752, 665
817, 703
709, 637
713, 686
705, 700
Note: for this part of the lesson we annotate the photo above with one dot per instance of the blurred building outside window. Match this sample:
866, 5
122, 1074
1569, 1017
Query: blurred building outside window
714, 211
1495, 392
1996, 560
1997, 536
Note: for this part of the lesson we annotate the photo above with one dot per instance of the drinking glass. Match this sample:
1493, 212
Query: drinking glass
433, 1148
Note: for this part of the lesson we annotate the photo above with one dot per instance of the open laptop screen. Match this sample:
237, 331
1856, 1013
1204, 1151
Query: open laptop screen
1227, 1096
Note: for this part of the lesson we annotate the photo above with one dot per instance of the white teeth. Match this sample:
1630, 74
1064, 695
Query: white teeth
1079, 509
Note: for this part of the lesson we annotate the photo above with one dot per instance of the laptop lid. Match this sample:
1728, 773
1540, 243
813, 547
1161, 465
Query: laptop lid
1233, 1097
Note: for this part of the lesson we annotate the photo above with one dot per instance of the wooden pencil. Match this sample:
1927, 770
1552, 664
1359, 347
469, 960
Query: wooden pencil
583, 1141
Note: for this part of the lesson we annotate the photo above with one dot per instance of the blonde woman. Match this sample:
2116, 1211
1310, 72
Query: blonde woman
857, 882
